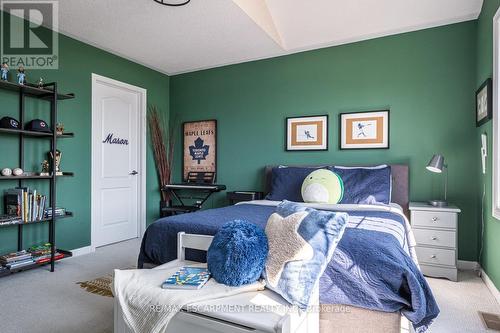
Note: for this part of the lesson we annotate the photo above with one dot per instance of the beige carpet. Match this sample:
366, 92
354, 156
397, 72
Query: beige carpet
460, 303
56, 304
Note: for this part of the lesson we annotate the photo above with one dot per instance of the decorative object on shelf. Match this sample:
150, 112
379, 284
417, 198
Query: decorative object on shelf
484, 103
200, 147
6, 172
437, 165
162, 141
21, 75
364, 130
17, 172
45, 168
39, 84
306, 133
58, 161
5, 71
9, 122
173, 3
59, 128
37, 125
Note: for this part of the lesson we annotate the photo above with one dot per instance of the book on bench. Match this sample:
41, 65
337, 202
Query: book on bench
190, 278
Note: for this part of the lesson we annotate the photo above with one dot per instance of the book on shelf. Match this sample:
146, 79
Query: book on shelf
27, 204
39, 254
59, 212
40, 250
187, 278
9, 219
20, 263
15, 257
42, 253
46, 258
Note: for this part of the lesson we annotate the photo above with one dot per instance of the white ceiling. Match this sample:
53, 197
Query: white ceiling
211, 33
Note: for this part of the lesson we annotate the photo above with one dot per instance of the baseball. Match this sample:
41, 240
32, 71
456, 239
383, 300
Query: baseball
17, 171
6, 172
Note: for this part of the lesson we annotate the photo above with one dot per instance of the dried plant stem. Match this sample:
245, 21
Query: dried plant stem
162, 139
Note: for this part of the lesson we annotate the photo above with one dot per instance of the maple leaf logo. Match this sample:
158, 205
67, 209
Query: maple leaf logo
198, 151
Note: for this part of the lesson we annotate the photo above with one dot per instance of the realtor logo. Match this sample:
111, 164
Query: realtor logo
28, 34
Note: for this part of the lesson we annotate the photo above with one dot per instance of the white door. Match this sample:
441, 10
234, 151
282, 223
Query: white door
118, 112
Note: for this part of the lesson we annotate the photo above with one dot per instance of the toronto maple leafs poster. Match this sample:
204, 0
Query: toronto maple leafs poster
200, 146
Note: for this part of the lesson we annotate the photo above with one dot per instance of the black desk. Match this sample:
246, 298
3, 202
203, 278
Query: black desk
202, 192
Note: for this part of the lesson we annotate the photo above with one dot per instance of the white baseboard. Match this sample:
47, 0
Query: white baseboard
491, 286
82, 251
468, 265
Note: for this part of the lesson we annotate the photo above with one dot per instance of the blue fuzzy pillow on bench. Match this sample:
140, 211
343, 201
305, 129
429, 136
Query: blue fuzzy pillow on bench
238, 253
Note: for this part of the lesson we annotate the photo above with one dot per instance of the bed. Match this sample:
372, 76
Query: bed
372, 279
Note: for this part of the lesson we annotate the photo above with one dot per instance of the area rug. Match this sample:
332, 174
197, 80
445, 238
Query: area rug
100, 286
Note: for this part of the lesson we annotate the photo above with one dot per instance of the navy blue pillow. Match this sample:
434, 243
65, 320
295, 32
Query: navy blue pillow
238, 253
286, 183
370, 185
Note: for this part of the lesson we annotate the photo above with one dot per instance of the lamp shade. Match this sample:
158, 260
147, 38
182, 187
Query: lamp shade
436, 164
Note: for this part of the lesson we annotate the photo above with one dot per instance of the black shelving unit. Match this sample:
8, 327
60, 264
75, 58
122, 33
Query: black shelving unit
48, 93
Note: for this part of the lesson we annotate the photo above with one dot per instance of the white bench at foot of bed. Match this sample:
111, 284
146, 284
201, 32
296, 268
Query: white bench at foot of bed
230, 314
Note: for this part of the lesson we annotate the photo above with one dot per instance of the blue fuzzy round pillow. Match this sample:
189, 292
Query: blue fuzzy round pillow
238, 253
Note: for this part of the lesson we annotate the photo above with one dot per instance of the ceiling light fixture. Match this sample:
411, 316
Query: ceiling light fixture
166, 3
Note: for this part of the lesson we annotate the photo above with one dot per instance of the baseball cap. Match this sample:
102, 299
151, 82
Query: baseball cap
9, 122
38, 125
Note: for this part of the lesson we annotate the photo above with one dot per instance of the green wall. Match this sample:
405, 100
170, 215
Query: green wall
425, 78
491, 245
77, 61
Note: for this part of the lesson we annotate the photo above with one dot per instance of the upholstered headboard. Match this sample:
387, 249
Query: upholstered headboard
400, 184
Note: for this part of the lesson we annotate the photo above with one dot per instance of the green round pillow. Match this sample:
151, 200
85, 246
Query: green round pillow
322, 186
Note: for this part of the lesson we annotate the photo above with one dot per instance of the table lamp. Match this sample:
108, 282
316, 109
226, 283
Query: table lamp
436, 164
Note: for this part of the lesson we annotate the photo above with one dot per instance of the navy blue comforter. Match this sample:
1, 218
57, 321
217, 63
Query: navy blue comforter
370, 268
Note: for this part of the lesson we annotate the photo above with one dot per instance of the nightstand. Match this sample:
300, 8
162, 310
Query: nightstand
436, 230
239, 196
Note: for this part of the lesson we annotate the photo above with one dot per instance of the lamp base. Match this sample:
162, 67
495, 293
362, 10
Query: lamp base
438, 203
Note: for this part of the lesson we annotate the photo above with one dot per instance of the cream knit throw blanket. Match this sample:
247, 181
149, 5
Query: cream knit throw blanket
149, 308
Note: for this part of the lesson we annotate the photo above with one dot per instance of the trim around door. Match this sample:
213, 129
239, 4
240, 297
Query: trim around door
495, 207
141, 207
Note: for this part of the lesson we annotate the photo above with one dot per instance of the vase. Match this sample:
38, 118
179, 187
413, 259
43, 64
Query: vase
164, 205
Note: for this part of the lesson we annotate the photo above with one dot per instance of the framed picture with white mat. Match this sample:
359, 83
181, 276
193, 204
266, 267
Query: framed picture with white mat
364, 130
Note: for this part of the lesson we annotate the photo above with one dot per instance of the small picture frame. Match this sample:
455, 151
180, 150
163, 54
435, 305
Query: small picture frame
364, 130
306, 133
484, 103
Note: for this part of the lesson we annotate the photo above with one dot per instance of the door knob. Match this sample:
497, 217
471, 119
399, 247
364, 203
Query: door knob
133, 173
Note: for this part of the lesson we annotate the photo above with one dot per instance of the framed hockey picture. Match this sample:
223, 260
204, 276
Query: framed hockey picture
199, 147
